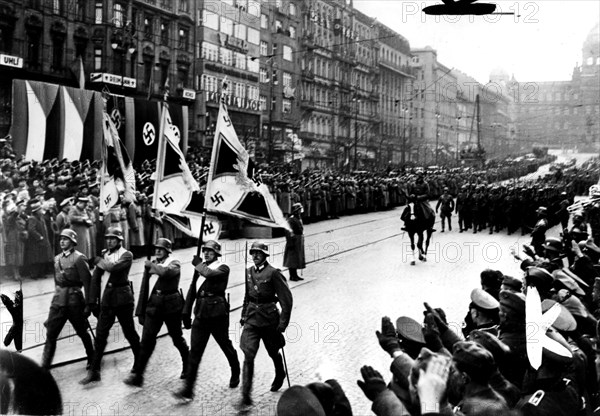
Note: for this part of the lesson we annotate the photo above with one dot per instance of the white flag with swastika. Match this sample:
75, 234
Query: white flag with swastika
175, 184
233, 187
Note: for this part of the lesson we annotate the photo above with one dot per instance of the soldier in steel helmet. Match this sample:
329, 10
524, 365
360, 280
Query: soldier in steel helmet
111, 296
211, 316
265, 286
160, 301
71, 274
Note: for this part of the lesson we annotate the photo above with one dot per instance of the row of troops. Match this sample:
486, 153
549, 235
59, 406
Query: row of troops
108, 294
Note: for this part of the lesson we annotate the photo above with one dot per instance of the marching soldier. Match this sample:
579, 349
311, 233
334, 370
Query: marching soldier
447, 204
211, 316
462, 208
71, 273
265, 286
160, 301
111, 296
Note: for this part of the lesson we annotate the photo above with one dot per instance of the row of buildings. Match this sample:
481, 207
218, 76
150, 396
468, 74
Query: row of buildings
313, 82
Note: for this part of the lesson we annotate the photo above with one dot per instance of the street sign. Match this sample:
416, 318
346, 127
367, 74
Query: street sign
9, 60
188, 94
113, 79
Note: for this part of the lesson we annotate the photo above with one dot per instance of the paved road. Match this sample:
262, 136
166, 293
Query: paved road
358, 272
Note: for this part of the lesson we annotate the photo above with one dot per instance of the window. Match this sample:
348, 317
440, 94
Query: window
184, 6
210, 52
97, 59
239, 90
264, 21
33, 48
227, 26
293, 9
164, 33
275, 78
98, 12
210, 20
278, 4
57, 7
292, 30
253, 36
252, 92
239, 31
118, 15
184, 38
264, 48
264, 77
148, 26
254, 8
240, 60
278, 26
80, 11
182, 78
58, 52
286, 106
287, 79
226, 56
253, 65
263, 103
209, 83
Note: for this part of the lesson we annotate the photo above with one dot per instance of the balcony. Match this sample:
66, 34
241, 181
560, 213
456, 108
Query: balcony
374, 95
308, 104
345, 86
308, 74
308, 41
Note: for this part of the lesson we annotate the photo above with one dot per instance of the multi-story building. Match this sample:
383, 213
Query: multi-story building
279, 79
396, 99
564, 113
435, 110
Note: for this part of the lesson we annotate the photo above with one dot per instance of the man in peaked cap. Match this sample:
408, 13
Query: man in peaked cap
71, 274
111, 296
160, 301
483, 312
265, 286
211, 316
293, 256
511, 284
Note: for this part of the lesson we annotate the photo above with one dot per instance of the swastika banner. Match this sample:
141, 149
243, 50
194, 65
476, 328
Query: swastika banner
232, 186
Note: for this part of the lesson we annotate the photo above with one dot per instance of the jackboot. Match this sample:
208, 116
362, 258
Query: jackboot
48, 354
135, 379
89, 350
234, 381
247, 376
279, 373
92, 376
184, 366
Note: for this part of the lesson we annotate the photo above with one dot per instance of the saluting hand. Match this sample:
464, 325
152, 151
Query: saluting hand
196, 261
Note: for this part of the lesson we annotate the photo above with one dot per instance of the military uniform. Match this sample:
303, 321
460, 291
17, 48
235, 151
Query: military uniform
265, 286
446, 202
71, 273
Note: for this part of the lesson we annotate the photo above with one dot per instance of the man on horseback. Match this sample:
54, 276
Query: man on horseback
418, 216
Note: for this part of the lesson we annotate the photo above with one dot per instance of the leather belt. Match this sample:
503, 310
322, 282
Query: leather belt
63, 286
204, 294
262, 300
164, 293
117, 285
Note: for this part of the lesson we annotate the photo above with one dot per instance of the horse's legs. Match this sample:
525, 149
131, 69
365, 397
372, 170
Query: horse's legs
420, 246
412, 248
429, 233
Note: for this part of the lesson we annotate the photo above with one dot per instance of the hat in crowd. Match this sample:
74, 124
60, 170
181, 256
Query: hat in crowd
214, 246
35, 206
578, 234
83, 199
577, 279
300, 401
491, 343
473, 359
410, 330
553, 244
561, 279
512, 303
164, 243
539, 277
297, 207
574, 305
65, 202
512, 283
482, 300
70, 234
491, 278
114, 232
589, 245
542, 210
565, 320
258, 246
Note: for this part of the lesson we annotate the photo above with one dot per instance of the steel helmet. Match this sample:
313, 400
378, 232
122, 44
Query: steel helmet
164, 243
258, 246
594, 190
114, 232
542, 210
212, 245
70, 234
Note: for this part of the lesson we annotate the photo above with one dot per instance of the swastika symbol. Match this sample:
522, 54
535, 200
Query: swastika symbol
227, 120
148, 134
107, 200
176, 133
209, 228
217, 198
166, 199
115, 115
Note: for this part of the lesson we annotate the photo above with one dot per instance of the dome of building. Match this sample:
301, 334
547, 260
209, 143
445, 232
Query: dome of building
591, 47
593, 38
499, 74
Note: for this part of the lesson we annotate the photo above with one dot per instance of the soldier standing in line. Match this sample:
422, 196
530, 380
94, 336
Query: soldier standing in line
71, 273
211, 316
293, 256
160, 301
446, 202
111, 296
538, 235
265, 286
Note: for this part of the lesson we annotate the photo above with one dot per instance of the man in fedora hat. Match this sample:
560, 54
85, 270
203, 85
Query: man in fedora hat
293, 256
111, 296
37, 248
160, 301
265, 286
211, 316
71, 273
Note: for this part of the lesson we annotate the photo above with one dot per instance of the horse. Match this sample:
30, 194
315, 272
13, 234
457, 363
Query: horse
418, 218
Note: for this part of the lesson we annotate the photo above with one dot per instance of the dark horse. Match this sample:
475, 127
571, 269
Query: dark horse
418, 217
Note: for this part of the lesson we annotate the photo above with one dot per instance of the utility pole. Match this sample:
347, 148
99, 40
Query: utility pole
356, 134
457, 144
437, 135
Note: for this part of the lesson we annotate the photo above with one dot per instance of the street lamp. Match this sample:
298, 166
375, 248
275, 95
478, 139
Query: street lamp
437, 135
356, 100
457, 143
403, 116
